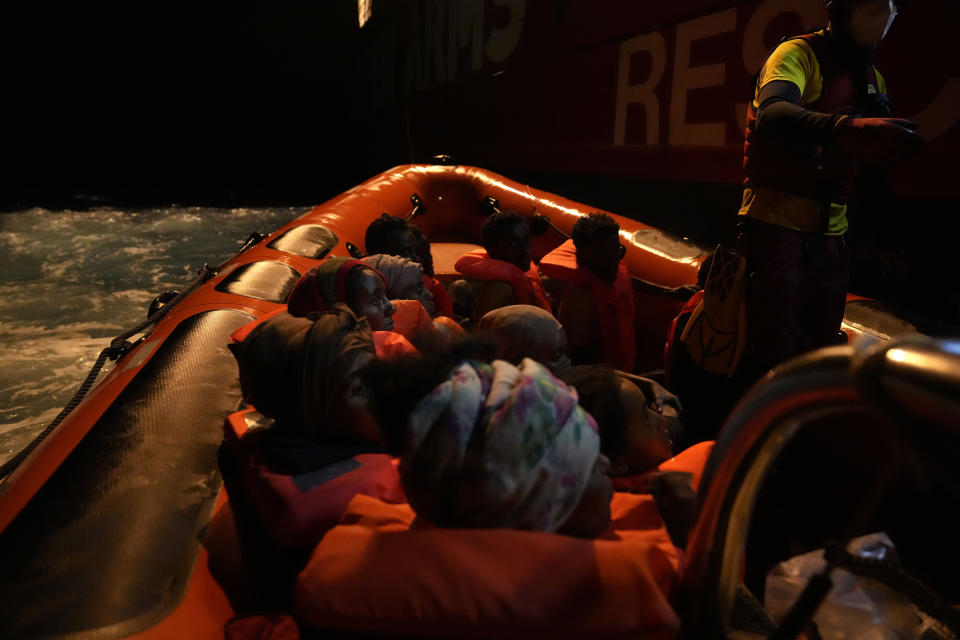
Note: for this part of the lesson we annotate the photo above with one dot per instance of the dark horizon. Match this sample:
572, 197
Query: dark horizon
217, 104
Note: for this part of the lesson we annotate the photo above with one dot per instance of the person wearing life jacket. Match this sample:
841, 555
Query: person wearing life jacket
441, 299
493, 445
597, 309
404, 278
505, 265
394, 236
819, 109
301, 372
524, 331
633, 436
323, 445
340, 279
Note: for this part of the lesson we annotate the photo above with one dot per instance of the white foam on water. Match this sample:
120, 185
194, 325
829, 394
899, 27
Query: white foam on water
70, 281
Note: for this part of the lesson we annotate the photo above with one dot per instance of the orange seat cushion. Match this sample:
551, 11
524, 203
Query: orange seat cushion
445, 255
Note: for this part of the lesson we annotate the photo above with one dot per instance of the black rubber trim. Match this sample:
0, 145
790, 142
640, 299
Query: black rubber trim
308, 240
107, 546
264, 280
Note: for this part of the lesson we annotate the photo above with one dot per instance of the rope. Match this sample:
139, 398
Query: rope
119, 347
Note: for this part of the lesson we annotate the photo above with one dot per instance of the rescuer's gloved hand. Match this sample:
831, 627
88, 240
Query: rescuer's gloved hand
879, 141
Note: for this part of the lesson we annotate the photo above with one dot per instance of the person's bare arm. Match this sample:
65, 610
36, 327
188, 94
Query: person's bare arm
493, 295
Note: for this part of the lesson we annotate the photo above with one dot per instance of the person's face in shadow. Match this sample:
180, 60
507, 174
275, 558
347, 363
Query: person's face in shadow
416, 291
602, 256
513, 246
869, 21
351, 406
404, 245
648, 439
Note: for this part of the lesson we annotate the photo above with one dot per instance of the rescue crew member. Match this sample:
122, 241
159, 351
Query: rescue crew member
819, 107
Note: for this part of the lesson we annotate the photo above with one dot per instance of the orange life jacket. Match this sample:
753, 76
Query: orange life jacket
441, 299
391, 345
527, 287
410, 318
375, 573
297, 510
614, 303
692, 460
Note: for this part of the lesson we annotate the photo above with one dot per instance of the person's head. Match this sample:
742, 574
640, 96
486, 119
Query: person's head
864, 22
424, 254
597, 240
303, 373
404, 279
495, 445
365, 292
391, 235
463, 300
524, 331
632, 435
506, 236
339, 279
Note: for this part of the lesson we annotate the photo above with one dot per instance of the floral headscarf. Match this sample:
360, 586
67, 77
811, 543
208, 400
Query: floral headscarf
499, 446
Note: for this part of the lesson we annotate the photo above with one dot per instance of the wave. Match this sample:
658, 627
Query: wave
72, 280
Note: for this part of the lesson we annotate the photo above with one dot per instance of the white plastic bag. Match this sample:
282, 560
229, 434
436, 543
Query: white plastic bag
856, 608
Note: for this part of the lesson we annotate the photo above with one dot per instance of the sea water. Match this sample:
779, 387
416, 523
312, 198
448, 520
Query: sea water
70, 281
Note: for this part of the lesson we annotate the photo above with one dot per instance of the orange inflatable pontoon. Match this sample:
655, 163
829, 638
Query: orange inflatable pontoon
116, 522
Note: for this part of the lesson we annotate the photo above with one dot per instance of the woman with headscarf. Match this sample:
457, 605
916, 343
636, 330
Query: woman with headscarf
340, 279
404, 279
302, 373
524, 331
494, 445
324, 446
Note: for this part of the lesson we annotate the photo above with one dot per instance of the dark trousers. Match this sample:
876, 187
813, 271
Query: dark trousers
796, 291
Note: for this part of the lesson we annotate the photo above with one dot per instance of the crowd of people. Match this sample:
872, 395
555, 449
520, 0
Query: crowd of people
510, 395
515, 420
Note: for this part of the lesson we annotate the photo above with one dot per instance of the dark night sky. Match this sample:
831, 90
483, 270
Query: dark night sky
272, 102
197, 100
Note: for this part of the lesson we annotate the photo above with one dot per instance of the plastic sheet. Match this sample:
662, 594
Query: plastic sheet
856, 608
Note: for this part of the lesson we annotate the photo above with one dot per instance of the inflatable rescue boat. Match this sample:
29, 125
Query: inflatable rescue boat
115, 522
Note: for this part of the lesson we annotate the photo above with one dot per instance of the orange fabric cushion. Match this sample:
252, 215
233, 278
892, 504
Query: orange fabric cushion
374, 573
